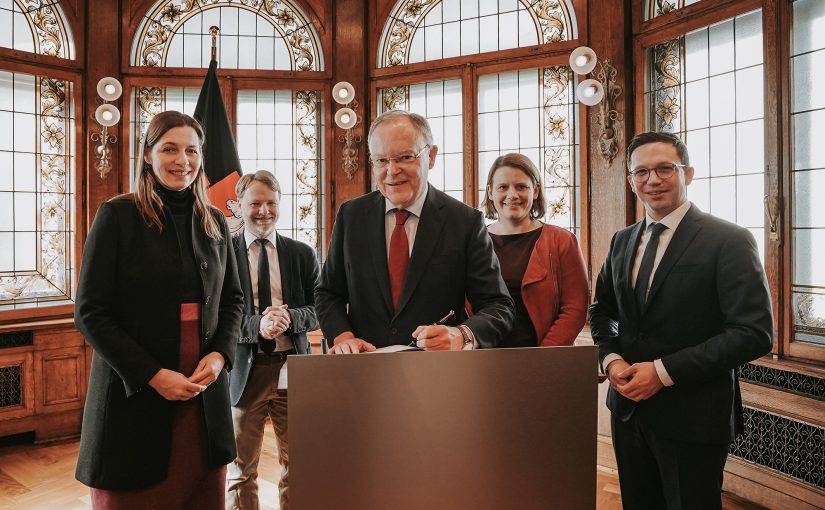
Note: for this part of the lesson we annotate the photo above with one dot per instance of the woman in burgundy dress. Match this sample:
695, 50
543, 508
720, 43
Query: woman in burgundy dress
541, 264
160, 302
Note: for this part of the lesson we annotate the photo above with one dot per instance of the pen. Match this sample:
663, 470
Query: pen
439, 322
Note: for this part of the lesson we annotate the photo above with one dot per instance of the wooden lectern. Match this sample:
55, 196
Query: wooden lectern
485, 429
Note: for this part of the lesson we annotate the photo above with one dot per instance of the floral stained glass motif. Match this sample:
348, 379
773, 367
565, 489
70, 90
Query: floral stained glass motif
656, 8
36, 26
254, 34
36, 191
425, 30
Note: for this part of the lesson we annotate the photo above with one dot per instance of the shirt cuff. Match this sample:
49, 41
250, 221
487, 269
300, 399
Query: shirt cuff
662, 373
610, 358
468, 333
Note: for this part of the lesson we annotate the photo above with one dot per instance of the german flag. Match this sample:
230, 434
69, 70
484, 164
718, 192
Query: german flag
220, 155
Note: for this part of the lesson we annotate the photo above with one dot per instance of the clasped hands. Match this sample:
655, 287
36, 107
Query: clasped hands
638, 381
173, 385
274, 321
429, 338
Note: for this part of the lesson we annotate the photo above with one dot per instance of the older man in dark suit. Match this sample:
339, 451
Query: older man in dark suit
403, 257
278, 276
680, 302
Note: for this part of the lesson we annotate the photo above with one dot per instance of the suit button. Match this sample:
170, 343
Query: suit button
394, 331
206, 335
203, 266
207, 300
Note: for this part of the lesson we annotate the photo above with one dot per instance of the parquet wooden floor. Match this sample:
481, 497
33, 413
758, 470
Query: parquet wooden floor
41, 477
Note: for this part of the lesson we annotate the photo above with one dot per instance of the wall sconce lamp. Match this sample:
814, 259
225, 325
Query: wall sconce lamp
106, 115
343, 93
601, 91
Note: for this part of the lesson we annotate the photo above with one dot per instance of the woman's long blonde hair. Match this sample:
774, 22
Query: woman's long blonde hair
146, 197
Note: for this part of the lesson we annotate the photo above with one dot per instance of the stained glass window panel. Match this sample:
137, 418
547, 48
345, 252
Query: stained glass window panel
276, 35
36, 191
440, 102
533, 112
656, 8
707, 86
36, 26
419, 31
808, 215
282, 131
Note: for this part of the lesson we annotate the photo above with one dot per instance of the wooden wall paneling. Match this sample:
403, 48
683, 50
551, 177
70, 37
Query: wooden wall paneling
105, 37
22, 357
349, 63
611, 202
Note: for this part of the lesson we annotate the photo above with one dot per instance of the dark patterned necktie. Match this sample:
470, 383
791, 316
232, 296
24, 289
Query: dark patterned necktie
264, 290
646, 267
399, 256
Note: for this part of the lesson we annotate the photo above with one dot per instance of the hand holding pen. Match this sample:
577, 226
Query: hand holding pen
438, 336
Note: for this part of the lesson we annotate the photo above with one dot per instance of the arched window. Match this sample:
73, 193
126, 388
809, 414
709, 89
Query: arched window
278, 127
37, 158
525, 106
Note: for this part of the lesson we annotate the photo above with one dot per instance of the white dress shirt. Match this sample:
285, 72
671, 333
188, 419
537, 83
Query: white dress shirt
284, 343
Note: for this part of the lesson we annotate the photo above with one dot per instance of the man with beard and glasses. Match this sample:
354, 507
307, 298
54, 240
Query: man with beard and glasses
278, 276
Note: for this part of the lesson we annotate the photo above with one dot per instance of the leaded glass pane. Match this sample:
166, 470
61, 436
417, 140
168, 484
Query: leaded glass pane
441, 103
281, 131
808, 215
36, 191
36, 26
656, 8
533, 112
425, 30
707, 86
253, 35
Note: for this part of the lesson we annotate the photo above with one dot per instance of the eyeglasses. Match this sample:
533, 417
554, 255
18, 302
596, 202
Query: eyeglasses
663, 172
403, 160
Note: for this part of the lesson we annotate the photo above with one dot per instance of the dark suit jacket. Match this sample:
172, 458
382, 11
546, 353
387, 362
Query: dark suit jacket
299, 277
128, 309
452, 257
708, 311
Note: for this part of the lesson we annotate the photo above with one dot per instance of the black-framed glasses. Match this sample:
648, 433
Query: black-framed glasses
403, 160
663, 172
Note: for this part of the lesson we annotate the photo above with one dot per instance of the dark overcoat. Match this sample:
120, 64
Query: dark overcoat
127, 308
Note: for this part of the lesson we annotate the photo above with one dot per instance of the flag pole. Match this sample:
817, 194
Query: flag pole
214, 31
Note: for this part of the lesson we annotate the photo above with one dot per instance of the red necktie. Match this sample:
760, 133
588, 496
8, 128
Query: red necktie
399, 256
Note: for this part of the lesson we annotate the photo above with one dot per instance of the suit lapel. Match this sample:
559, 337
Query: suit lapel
427, 235
690, 225
243, 271
376, 237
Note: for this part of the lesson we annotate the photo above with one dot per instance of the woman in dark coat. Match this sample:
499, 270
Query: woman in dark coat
160, 302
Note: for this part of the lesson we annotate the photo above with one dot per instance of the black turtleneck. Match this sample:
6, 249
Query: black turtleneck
181, 206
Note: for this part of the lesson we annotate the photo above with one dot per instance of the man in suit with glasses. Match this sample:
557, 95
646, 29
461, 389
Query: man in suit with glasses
680, 302
404, 256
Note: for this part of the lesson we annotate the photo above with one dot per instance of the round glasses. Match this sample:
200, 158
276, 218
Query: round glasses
663, 172
403, 160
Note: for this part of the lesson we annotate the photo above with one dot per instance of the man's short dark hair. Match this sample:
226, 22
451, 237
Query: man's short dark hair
658, 136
